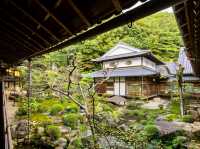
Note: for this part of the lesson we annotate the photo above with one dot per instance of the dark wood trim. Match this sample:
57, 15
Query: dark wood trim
53, 17
141, 11
81, 15
33, 19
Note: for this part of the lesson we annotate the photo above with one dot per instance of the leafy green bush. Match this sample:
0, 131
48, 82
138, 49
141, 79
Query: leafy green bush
187, 118
151, 131
56, 109
23, 109
71, 108
132, 105
174, 107
71, 120
171, 117
53, 132
42, 108
135, 113
42, 119
179, 142
161, 106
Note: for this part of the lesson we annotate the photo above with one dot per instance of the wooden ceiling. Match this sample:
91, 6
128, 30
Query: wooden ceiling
188, 19
30, 28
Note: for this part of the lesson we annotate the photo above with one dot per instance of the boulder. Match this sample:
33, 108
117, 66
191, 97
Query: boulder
21, 129
194, 114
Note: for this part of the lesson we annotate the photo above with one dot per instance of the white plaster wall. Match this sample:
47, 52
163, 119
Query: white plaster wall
119, 86
122, 86
149, 63
123, 63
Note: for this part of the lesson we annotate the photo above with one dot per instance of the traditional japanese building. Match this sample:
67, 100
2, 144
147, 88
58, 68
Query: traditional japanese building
131, 72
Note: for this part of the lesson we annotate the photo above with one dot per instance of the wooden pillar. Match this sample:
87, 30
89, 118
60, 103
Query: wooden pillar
29, 95
2, 126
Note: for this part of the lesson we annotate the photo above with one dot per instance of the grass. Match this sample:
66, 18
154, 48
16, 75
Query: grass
41, 118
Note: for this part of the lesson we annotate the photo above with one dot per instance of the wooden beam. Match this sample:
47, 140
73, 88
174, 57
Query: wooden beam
148, 8
179, 10
117, 5
22, 33
53, 16
24, 25
183, 25
77, 10
34, 20
16, 38
188, 23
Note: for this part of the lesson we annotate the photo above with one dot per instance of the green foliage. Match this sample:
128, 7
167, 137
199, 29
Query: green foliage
41, 118
151, 131
53, 132
56, 109
171, 117
42, 108
174, 107
23, 109
133, 105
71, 107
187, 118
136, 113
71, 120
179, 142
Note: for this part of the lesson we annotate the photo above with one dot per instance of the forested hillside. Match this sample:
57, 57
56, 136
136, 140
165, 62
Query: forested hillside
158, 33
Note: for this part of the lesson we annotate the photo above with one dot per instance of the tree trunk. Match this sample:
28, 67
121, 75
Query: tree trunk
181, 100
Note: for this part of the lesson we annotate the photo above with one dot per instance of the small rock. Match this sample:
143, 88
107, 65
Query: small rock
40, 130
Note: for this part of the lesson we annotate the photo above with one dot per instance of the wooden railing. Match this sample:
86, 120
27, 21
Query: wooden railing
7, 131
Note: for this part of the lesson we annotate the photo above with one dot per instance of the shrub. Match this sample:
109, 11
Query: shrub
132, 105
161, 106
22, 111
71, 108
187, 118
71, 120
151, 131
135, 113
42, 119
179, 142
53, 132
56, 109
171, 117
42, 108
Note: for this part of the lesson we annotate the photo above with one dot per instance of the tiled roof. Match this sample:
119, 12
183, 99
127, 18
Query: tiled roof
171, 67
183, 60
122, 72
134, 52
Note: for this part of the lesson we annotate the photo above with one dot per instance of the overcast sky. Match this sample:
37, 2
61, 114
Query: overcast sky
170, 10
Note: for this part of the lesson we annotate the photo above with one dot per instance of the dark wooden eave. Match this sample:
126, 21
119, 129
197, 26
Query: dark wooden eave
34, 27
188, 19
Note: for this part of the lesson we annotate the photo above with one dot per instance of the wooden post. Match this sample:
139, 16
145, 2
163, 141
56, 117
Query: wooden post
2, 126
29, 95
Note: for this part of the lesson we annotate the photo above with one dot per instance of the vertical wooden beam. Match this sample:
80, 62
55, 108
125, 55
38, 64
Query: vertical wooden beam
2, 126
29, 95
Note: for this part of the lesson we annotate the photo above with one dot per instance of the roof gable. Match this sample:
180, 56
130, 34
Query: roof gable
185, 62
120, 49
